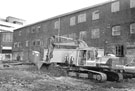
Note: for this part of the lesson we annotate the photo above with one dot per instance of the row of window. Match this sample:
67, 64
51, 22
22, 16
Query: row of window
116, 31
32, 30
36, 42
35, 29
7, 37
17, 44
115, 7
95, 33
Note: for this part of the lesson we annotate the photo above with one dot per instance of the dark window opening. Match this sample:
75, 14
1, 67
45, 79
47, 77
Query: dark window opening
120, 50
6, 51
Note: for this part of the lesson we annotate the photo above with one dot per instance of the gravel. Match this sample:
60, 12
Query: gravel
28, 78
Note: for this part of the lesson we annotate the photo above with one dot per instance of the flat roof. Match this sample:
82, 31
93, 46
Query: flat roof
69, 13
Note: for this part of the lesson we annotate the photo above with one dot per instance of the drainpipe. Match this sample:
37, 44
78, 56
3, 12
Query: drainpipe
59, 31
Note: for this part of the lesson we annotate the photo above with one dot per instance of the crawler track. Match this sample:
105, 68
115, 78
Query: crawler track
98, 75
88, 74
79, 72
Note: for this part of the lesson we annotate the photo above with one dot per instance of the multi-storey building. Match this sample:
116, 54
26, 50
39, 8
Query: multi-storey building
6, 35
110, 25
6, 40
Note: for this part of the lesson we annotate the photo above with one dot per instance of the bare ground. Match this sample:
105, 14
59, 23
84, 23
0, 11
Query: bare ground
28, 78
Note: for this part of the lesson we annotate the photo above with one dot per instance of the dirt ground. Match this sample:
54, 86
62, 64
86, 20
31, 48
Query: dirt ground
27, 78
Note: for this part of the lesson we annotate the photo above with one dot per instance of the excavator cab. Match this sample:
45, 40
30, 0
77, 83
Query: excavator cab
82, 57
87, 57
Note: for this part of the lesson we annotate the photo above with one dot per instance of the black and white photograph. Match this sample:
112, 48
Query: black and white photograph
67, 45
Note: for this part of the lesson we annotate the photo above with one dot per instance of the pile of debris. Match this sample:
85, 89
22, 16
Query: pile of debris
53, 70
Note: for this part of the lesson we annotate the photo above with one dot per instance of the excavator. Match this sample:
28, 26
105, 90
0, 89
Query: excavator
82, 61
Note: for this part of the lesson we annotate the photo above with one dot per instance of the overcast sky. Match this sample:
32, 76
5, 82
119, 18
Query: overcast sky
36, 10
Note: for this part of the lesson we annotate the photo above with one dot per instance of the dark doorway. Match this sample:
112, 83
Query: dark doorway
120, 51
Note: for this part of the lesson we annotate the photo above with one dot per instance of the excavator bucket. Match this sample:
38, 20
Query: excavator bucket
36, 59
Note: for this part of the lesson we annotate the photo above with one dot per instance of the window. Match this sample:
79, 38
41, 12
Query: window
83, 34
20, 33
32, 29
132, 3
115, 6
27, 43
132, 28
15, 45
116, 31
34, 43
56, 25
81, 18
38, 28
90, 55
38, 42
95, 33
19, 44
119, 50
72, 21
4, 37
95, 15
7, 37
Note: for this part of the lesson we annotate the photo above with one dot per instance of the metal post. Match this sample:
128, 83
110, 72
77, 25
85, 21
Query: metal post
59, 31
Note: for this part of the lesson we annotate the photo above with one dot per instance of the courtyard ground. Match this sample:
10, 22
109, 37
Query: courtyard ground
28, 78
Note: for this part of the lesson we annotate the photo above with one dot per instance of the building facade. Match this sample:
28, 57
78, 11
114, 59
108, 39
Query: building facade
6, 36
110, 26
6, 41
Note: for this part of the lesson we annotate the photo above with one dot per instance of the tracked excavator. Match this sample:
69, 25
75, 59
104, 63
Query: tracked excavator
82, 61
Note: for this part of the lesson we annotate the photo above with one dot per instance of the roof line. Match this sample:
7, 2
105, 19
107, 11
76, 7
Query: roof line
72, 12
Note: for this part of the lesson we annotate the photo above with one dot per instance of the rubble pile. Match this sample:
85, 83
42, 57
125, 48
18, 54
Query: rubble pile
54, 70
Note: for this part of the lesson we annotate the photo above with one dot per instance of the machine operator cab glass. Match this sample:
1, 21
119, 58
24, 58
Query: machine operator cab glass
87, 57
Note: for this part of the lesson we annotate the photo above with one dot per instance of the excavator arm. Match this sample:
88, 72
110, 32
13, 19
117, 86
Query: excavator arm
51, 44
50, 48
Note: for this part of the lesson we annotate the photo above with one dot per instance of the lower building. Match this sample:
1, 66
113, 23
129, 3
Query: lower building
6, 45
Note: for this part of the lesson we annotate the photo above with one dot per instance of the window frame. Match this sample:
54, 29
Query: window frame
38, 28
82, 34
95, 15
27, 43
38, 40
15, 44
19, 44
72, 21
20, 33
82, 18
33, 30
56, 24
95, 33
132, 3
33, 43
115, 6
131, 29
114, 30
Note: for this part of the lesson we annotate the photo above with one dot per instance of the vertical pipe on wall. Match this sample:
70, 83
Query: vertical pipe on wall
59, 30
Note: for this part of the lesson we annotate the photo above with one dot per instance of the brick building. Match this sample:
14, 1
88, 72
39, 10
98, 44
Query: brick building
110, 25
6, 35
6, 40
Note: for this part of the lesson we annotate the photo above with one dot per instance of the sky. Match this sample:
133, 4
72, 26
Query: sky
37, 10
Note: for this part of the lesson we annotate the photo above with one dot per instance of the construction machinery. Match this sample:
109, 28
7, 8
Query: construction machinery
82, 61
